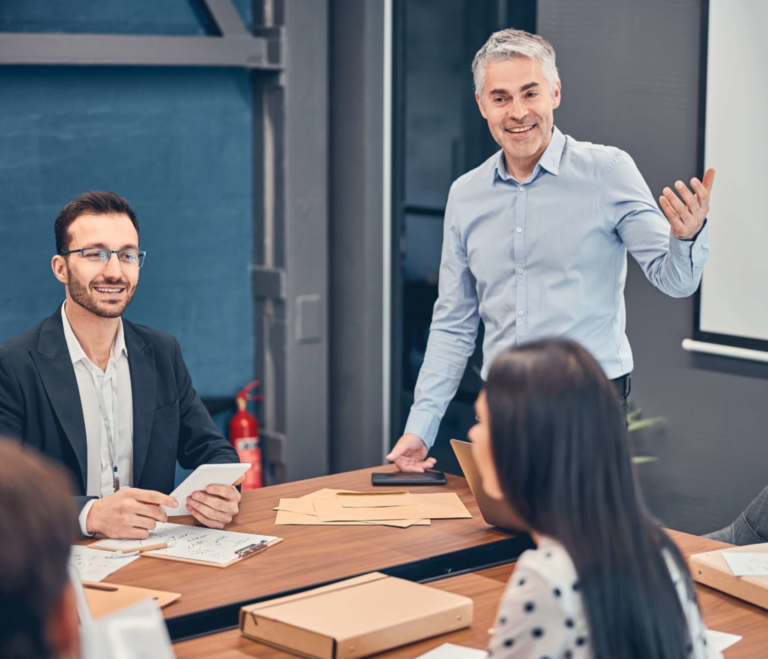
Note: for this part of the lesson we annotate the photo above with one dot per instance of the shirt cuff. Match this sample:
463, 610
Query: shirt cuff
424, 425
84, 517
691, 248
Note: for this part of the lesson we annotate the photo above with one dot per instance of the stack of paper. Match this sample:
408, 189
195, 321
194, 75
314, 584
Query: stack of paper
347, 508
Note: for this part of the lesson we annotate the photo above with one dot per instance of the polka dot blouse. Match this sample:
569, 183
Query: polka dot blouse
541, 615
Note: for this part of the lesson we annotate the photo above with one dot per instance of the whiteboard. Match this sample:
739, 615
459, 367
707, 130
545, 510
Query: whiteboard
734, 292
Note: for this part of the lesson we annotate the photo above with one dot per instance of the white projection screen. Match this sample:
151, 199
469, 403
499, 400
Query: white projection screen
732, 304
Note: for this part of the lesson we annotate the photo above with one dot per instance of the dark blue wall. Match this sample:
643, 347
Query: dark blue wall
176, 142
168, 17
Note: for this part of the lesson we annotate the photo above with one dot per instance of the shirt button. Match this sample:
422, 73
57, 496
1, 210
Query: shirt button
519, 230
521, 189
520, 271
521, 313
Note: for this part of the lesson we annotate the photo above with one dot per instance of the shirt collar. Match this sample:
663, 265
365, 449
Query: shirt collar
76, 351
550, 159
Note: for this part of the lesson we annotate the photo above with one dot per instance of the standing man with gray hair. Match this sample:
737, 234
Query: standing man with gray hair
535, 239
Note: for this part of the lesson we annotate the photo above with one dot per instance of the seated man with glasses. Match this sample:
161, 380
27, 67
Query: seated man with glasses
111, 400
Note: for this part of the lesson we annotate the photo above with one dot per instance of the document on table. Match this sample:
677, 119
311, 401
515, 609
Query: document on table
195, 543
135, 632
301, 512
374, 499
451, 651
423, 506
721, 641
746, 564
95, 565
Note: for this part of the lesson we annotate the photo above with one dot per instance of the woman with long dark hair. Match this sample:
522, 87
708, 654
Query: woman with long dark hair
605, 581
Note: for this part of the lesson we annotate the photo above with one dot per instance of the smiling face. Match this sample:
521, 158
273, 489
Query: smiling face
518, 105
104, 289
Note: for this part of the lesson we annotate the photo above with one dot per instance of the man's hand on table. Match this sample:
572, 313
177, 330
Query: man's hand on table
215, 507
410, 455
129, 513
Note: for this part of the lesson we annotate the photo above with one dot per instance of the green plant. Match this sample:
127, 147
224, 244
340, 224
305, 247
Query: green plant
641, 430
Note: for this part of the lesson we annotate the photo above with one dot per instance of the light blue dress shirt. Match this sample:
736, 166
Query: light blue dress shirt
546, 257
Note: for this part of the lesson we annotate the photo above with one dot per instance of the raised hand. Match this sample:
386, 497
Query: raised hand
686, 217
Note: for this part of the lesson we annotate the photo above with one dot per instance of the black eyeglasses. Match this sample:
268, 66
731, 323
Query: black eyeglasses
128, 257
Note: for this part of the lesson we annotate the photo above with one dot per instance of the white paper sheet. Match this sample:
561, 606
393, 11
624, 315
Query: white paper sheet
95, 565
196, 543
451, 651
137, 632
746, 564
720, 641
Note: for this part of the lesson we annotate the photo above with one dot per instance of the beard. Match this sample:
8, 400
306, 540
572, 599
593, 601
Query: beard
81, 294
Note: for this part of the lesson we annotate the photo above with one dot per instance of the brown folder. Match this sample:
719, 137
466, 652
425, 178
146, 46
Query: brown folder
105, 598
711, 570
339, 622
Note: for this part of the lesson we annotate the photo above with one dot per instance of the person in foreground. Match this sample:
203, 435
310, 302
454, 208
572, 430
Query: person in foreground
111, 400
38, 608
605, 580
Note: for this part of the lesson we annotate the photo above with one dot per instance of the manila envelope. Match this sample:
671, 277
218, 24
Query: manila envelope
374, 499
429, 506
288, 518
303, 505
106, 598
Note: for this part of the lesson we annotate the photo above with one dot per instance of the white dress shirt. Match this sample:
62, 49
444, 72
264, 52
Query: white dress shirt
115, 386
546, 257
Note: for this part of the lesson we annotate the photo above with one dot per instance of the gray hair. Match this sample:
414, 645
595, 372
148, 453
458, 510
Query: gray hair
507, 44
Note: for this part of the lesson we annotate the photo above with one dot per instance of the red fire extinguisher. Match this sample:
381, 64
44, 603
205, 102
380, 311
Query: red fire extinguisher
244, 436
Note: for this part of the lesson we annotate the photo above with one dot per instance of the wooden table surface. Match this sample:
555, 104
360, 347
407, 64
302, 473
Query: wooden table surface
309, 555
486, 587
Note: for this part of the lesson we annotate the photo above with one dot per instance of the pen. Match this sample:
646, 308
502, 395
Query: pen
120, 554
98, 586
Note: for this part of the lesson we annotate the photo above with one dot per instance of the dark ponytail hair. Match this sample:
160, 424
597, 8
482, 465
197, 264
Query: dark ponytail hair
560, 447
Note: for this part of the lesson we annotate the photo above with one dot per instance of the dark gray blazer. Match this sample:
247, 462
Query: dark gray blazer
749, 528
40, 405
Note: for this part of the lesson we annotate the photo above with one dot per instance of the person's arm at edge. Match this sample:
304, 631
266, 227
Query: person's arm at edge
451, 342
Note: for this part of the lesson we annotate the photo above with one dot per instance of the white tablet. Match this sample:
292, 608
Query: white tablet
202, 477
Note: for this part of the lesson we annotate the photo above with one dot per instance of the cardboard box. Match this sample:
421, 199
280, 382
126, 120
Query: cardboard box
355, 618
711, 570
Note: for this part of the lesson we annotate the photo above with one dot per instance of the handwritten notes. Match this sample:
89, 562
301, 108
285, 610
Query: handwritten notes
95, 565
194, 543
747, 564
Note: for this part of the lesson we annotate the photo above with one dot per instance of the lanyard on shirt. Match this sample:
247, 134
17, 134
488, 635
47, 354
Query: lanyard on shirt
111, 432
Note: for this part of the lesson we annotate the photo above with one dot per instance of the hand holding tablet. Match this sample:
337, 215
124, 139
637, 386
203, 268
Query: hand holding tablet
201, 478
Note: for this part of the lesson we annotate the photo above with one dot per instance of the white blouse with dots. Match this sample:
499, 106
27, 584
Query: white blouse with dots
541, 615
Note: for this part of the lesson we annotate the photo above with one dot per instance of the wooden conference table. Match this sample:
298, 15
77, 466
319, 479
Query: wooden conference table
486, 587
211, 597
